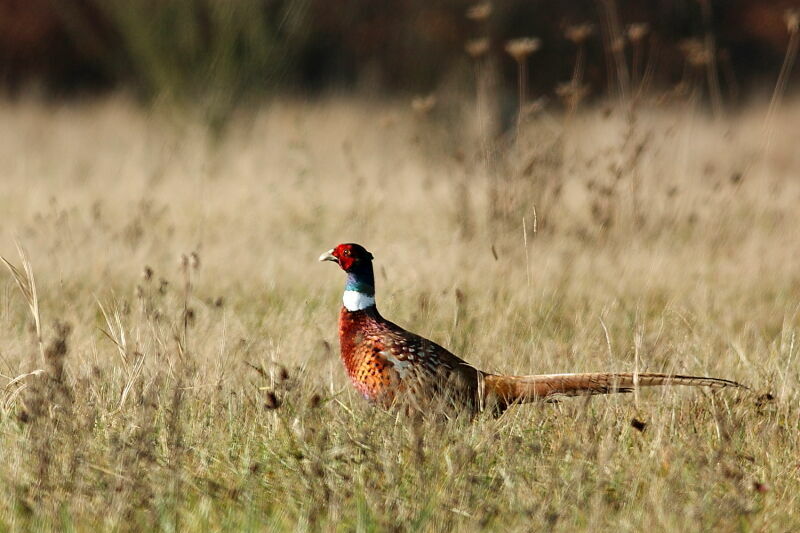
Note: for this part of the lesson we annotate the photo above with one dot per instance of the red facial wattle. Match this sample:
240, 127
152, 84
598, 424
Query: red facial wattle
343, 254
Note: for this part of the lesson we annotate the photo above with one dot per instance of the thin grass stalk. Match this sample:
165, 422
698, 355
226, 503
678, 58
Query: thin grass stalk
780, 85
617, 47
116, 335
712, 74
522, 87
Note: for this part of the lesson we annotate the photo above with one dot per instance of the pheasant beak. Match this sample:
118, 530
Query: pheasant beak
328, 256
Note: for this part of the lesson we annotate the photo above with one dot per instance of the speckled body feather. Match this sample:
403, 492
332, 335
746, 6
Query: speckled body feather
385, 361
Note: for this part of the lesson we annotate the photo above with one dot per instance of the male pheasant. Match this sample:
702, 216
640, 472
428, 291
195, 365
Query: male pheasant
389, 365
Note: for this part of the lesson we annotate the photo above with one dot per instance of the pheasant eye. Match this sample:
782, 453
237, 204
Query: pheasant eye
347, 252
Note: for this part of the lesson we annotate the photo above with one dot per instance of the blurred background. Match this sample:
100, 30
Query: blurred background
547, 186
228, 53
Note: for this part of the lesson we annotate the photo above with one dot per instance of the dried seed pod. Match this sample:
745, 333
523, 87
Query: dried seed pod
638, 31
696, 52
477, 48
521, 48
423, 104
480, 11
272, 401
315, 401
792, 18
578, 34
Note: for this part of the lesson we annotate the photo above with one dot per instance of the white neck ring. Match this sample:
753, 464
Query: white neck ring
356, 301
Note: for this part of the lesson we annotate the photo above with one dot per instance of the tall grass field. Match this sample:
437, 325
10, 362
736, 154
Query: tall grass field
168, 340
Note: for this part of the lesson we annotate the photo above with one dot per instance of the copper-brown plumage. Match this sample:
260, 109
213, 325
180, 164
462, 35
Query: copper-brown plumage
385, 361
388, 364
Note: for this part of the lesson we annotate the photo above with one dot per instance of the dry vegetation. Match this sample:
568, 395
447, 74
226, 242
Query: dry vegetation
169, 263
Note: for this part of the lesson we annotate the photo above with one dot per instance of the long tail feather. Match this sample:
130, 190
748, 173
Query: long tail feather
511, 389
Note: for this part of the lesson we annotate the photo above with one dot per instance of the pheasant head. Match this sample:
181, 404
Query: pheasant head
356, 261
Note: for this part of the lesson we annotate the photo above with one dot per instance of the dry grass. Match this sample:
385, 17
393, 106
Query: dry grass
656, 230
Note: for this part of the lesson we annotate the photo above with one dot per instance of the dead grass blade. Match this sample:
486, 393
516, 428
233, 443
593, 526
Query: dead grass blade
9, 400
259, 369
27, 286
137, 371
37, 372
116, 333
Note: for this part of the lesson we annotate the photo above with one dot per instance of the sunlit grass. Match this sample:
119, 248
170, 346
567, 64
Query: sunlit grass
159, 421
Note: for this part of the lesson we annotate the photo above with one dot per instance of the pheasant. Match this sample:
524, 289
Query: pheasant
389, 365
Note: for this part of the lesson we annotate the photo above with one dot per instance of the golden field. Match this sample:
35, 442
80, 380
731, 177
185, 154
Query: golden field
651, 237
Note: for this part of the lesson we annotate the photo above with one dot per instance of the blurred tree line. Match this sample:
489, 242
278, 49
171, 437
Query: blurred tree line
233, 50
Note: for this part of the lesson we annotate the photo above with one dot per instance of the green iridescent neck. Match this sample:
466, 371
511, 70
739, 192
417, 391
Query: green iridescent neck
361, 279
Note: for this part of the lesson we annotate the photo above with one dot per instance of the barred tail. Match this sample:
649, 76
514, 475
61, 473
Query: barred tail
517, 389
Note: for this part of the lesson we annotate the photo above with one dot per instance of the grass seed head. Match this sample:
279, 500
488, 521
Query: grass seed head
315, 401
480, 12
521, 48
579, 33
792, 18
572, 93
423, 104
477, 48
695, 52
271, 401
638, 31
